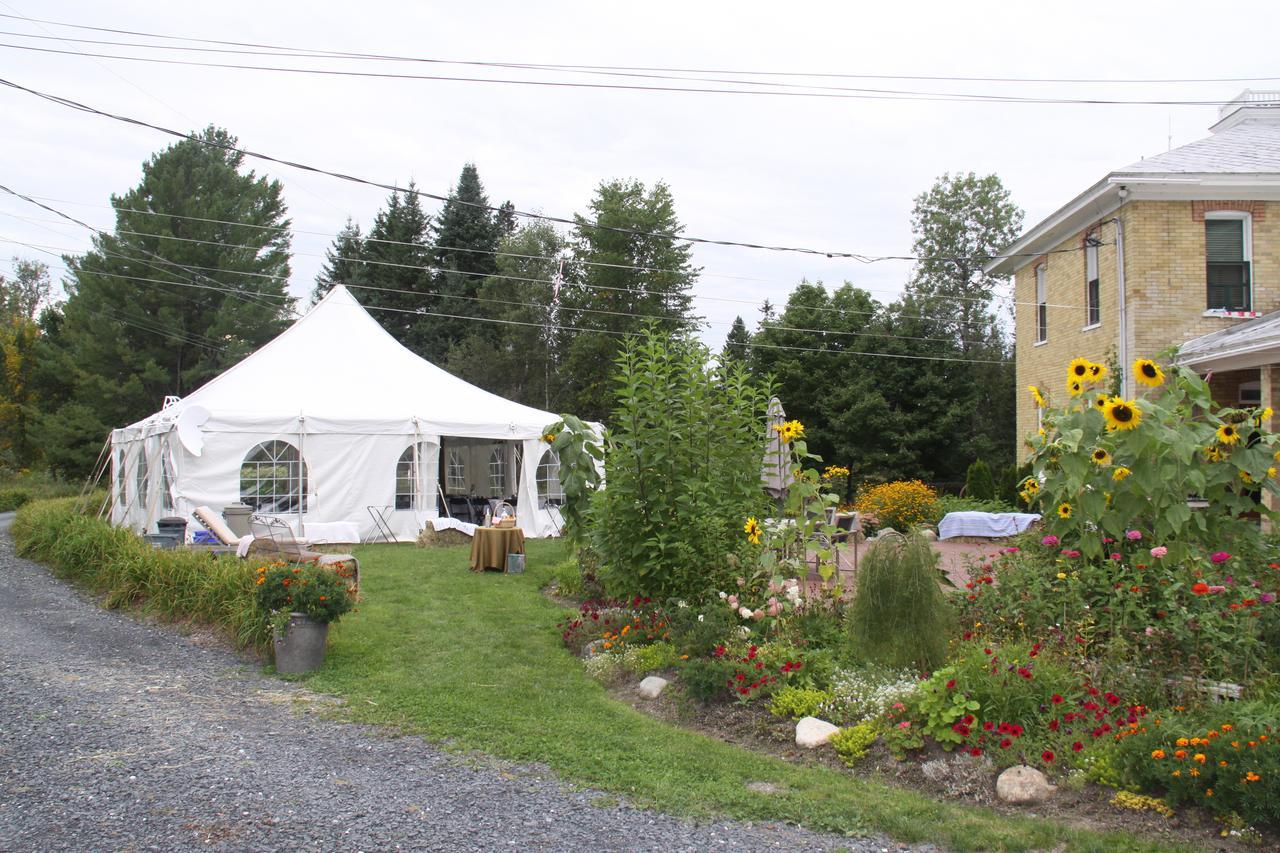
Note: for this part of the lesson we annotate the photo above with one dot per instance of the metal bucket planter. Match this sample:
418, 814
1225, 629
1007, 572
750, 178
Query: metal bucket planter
301, 647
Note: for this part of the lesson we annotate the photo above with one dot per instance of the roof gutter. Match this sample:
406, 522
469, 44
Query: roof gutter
1020, 253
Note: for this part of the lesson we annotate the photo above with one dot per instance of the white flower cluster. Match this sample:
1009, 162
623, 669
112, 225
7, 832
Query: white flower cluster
863, 694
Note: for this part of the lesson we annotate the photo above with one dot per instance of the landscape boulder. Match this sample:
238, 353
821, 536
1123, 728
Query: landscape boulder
652, 687
812, 733
1021, 784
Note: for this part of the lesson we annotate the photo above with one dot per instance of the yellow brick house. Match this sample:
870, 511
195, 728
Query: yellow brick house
1180, 249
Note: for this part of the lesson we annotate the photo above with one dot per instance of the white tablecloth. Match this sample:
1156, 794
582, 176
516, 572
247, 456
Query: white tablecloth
438, 524
327, 532
989, 524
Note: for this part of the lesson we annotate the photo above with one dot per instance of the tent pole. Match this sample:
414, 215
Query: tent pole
302, 473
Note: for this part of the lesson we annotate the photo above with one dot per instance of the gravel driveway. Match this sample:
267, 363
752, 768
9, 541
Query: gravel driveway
115, 734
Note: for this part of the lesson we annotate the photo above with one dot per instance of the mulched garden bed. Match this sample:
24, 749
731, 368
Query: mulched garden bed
940, 774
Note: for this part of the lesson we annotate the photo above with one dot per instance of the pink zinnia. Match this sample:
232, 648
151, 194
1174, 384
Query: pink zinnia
1159, 551
1133, 535
1220, 557
1267, 598
1049, 541
1116, 556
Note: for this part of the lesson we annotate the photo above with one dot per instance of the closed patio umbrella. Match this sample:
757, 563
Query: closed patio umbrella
775, 473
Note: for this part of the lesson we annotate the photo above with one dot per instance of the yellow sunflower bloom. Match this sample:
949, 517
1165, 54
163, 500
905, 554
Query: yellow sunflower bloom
1212, 454
1271, 472
1228, 434
1122, 414
1037, 396
1148, 372
1101, 457
1101, 402
1064, 510
1097, 372
1244, 476
549, 437
1120, 473
1079, 368
752, 529
1263, 417
1075, 386
1031, 484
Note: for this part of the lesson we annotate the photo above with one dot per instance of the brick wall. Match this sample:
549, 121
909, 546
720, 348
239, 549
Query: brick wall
1164, 280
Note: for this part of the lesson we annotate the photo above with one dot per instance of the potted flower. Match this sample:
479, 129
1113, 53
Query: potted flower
301, 601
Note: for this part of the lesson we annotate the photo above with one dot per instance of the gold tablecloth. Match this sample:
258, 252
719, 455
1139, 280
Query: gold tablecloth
491, 545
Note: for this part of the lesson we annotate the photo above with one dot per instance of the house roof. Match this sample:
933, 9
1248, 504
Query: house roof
1249, 344
1241, 159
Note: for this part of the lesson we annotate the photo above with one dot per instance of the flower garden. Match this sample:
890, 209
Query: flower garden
1128, 648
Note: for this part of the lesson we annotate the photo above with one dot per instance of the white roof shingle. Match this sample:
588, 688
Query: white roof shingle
1250, 147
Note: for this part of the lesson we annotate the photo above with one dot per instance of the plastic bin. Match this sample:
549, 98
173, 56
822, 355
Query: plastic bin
172, 526
203, 537
237, 516
515, 564
163, 541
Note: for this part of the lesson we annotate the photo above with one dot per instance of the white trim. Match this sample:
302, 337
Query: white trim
1091, 327
1041, 343
1246, 229
1224, 314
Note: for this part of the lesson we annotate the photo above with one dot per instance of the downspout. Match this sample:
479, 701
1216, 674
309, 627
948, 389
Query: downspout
1123, 315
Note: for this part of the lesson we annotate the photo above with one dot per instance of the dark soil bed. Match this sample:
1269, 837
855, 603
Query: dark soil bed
936, 772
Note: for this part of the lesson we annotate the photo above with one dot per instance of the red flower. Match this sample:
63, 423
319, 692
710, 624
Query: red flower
1006, 743
1053, 725
1057, 699
1200, 588
1112, 699
988, 725
951, 684
1024, 672
1005, 728
975, 751
1077, 746
1047, 755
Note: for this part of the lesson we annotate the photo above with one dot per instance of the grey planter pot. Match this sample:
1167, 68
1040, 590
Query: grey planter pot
301, 647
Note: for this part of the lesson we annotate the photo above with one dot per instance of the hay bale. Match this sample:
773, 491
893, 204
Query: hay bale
430, 538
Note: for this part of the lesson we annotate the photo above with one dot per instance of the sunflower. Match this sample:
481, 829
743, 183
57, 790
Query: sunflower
1031, 485
1079, 368
1228, 434
1271, 472
1101, 402
1244, 475
752, 529
1122, 414
1064, 510
549, 437
1037, 396
1075, 386
1120, 473
1101, 456
1263, 417
1097, 372
1148, 372
1213, 454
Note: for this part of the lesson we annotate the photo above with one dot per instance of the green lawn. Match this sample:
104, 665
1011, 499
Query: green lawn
476, 661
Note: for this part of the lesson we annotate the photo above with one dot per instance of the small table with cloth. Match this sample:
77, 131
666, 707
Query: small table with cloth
491, 545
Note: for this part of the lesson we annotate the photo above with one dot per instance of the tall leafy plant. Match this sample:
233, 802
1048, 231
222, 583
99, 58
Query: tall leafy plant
900, 616
581, 453
682, 470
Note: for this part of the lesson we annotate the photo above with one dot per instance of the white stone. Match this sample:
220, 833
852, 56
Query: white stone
652, 687
1022, 784
812, 733
929, 535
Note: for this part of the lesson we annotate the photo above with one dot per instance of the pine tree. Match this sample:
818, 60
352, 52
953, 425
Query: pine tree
344, 262
397, 269
506, 219
736, 344
629, 265
465, 253
166, 302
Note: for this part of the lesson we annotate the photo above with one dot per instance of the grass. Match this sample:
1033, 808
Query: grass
475, 661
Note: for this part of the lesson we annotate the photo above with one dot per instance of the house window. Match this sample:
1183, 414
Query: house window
1250, 394
497, 472
1042, 305
1092, 295
409, 470
549, 489
166, 478
273, 478
1228, 254
122, 479
455, 473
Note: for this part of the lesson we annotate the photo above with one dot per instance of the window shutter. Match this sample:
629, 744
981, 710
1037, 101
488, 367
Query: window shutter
1224, 240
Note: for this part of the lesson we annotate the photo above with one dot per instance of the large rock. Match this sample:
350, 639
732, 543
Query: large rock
929, 535
812, 733
1023, 784
652, 687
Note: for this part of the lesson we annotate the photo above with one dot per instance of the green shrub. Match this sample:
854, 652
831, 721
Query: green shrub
639, 660
797, 702
696, 631
899, 617
706, 679
11, 499
853, 743
978, 483
683, 468
568, 578
902, 505
172, 585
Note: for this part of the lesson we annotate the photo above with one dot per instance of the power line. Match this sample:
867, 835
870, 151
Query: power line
75, 105
400, 58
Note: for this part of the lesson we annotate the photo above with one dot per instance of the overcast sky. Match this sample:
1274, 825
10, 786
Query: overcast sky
836, 174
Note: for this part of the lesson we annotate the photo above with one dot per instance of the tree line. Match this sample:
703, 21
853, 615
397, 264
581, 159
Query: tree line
194, 277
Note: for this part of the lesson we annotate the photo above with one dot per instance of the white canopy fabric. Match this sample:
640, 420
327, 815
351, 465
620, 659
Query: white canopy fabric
353, 402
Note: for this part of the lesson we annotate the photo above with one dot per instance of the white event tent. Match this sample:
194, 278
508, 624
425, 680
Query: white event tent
330, 418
